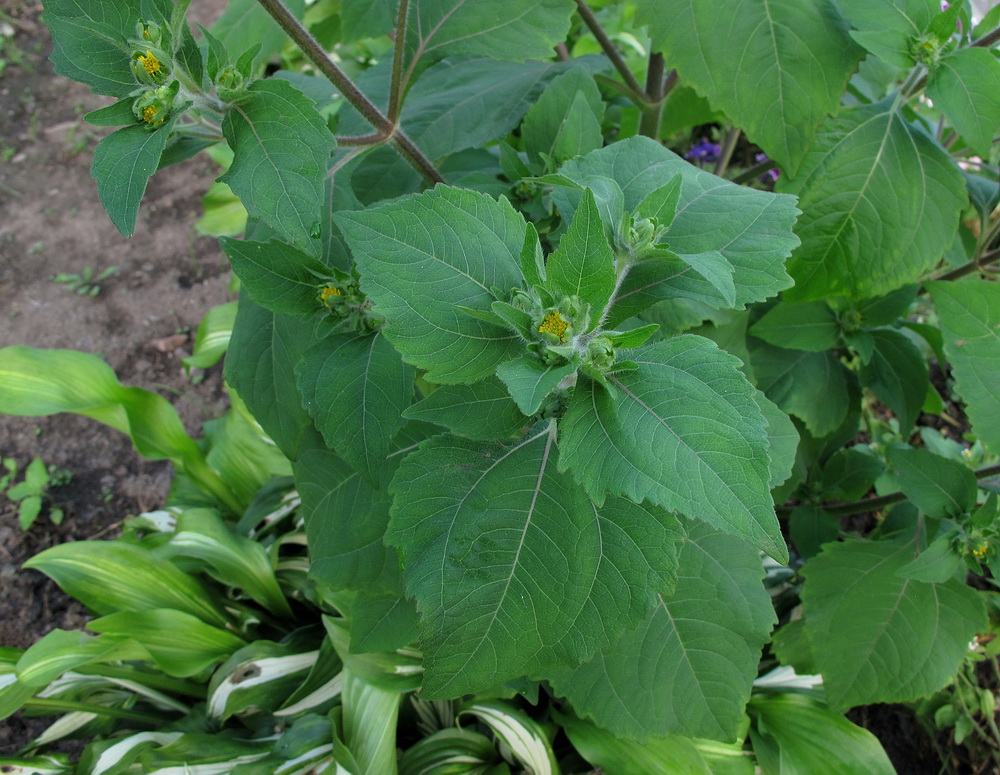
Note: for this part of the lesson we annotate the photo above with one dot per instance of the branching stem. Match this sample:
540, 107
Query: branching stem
609, 48
973, 266
397, 86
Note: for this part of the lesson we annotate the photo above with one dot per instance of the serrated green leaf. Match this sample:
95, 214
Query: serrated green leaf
90, 42
566, 120
810, 326
265, 347
367, 20
880, 203
423, 257
281, 147
897, 375
937, 563
811, 386
810, 527
181, 644
484, 411
110, 576
382, 623
939, 487
688, 401
966, 88
878, 637
750, 229
123, 163
514, 30
970, 321
885, 310
848, 473
688, 668
809, 737
661, 204
782, 439
356, 387
276, 276
775, 68
583, 264
887, 27
483, 531
529, 380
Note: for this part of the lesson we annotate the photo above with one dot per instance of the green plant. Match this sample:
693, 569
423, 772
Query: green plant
541, 381
30, 493
86, 283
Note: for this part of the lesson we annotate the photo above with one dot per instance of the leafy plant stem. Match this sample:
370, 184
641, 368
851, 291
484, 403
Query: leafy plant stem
973, 266
874, 504
68, 706
988, 39
609, 49
728, 146
396, 87
315, 53
649, 123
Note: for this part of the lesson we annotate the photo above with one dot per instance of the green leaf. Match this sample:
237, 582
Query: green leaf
810, 326
356, 387
484, 531
566, 120
382, 623
211, 340
583, 264
849, 473
90, 42
775, 68
966, 88
811, 386
281, 147
885, 310
897, 375
423, 257
232, 559
810, 527
484, 411
782, 437
369, 719
880, 203
276, 276
970, 316
750, 229
345, 519
118, 114
530, 380
367, 20
939, 487
522, 735
937, 563
123, 163
41, 382
808, 737
514, 30
887, 27
246, 22
180, 644
689, 667
688, 401
110, 576
60, 651
265, 347
878, 637
260, 676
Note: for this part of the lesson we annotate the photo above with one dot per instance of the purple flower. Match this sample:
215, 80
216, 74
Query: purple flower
704, 151
772, 174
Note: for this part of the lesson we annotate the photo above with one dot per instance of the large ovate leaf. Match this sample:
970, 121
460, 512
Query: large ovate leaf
966, 87
583, 265
513, 569
684, 431
424, 257
970, 321
776, 67
566, 120
939, 487
356, 387
484, 411
281, 147
265, 347
90, 42
688, 668
751, 229
501, 29
810, 326
123, 163
897, 375
275, 275
880, 204
877, 636
888, 28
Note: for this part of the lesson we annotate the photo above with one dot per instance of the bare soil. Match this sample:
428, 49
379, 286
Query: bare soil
141, 322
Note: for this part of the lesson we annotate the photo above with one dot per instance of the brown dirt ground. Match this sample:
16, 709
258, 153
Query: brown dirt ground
51, 221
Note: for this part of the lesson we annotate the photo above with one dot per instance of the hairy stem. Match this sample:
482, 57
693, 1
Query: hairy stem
314, 53
609, 49
649, 123
988, 39
397, 86
973, 266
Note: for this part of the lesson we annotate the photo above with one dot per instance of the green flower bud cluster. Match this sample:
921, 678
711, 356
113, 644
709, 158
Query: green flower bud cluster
158, 95
343, 298
926, 49
154, 106
637, 237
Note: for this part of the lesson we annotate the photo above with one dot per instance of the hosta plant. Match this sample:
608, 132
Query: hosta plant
550, 390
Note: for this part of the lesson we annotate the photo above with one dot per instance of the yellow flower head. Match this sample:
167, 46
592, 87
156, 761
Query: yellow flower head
149, 114
150, 63
554, 323
981, 549
330, 290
